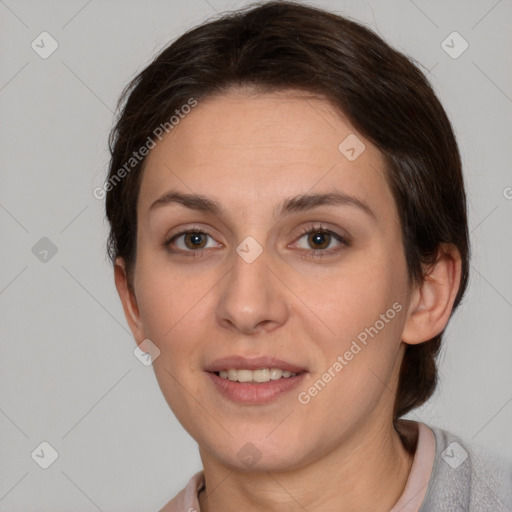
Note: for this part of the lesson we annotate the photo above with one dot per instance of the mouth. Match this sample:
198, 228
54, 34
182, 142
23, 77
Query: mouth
254, 380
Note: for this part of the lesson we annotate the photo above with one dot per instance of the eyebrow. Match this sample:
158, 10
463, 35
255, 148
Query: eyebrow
300, 203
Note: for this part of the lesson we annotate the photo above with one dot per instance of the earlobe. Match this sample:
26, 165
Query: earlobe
432, 301
128, 300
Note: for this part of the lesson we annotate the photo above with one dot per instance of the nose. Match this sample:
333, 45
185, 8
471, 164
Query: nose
253, 298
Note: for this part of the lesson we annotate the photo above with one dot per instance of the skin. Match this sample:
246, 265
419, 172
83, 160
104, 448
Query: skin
250, 151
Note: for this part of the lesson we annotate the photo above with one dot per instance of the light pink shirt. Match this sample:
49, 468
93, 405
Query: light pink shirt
410, 501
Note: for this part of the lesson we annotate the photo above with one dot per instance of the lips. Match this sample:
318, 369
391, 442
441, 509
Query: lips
252, 363
256, 393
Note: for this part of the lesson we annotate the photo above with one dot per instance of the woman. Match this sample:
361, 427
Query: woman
289, 239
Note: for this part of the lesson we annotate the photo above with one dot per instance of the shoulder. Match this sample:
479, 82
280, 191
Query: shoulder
466, 477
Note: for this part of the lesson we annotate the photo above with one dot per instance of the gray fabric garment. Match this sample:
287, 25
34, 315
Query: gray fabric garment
467, 478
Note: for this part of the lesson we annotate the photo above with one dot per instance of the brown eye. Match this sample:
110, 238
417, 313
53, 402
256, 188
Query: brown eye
319, 239
190, 242
195, 240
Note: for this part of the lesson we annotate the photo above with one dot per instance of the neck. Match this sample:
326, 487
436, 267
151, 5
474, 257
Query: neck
372, 462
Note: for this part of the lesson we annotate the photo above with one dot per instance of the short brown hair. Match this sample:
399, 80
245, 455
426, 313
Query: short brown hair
280, 45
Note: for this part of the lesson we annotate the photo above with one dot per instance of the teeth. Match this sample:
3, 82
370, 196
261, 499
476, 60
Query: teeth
275, 373
260, 375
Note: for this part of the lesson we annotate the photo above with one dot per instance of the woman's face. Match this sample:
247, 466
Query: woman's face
253, 284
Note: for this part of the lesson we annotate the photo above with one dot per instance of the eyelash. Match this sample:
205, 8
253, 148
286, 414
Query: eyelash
321, 253
315, 253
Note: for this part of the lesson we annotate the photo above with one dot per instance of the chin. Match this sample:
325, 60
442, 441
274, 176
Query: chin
257, 454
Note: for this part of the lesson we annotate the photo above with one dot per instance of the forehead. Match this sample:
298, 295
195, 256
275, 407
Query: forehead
242, 147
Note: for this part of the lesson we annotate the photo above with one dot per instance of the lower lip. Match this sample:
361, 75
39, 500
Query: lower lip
255, 392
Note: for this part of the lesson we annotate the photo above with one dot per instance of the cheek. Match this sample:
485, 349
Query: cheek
365, 307
357, 295
173, 308
168, 300
357, 370
169, 310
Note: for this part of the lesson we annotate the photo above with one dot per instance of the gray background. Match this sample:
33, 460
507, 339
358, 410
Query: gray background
68, 373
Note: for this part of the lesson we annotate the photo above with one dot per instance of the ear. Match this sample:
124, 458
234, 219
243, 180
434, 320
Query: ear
431, 302
127, 296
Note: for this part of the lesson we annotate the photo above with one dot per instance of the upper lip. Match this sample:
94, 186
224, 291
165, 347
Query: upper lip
252, 363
